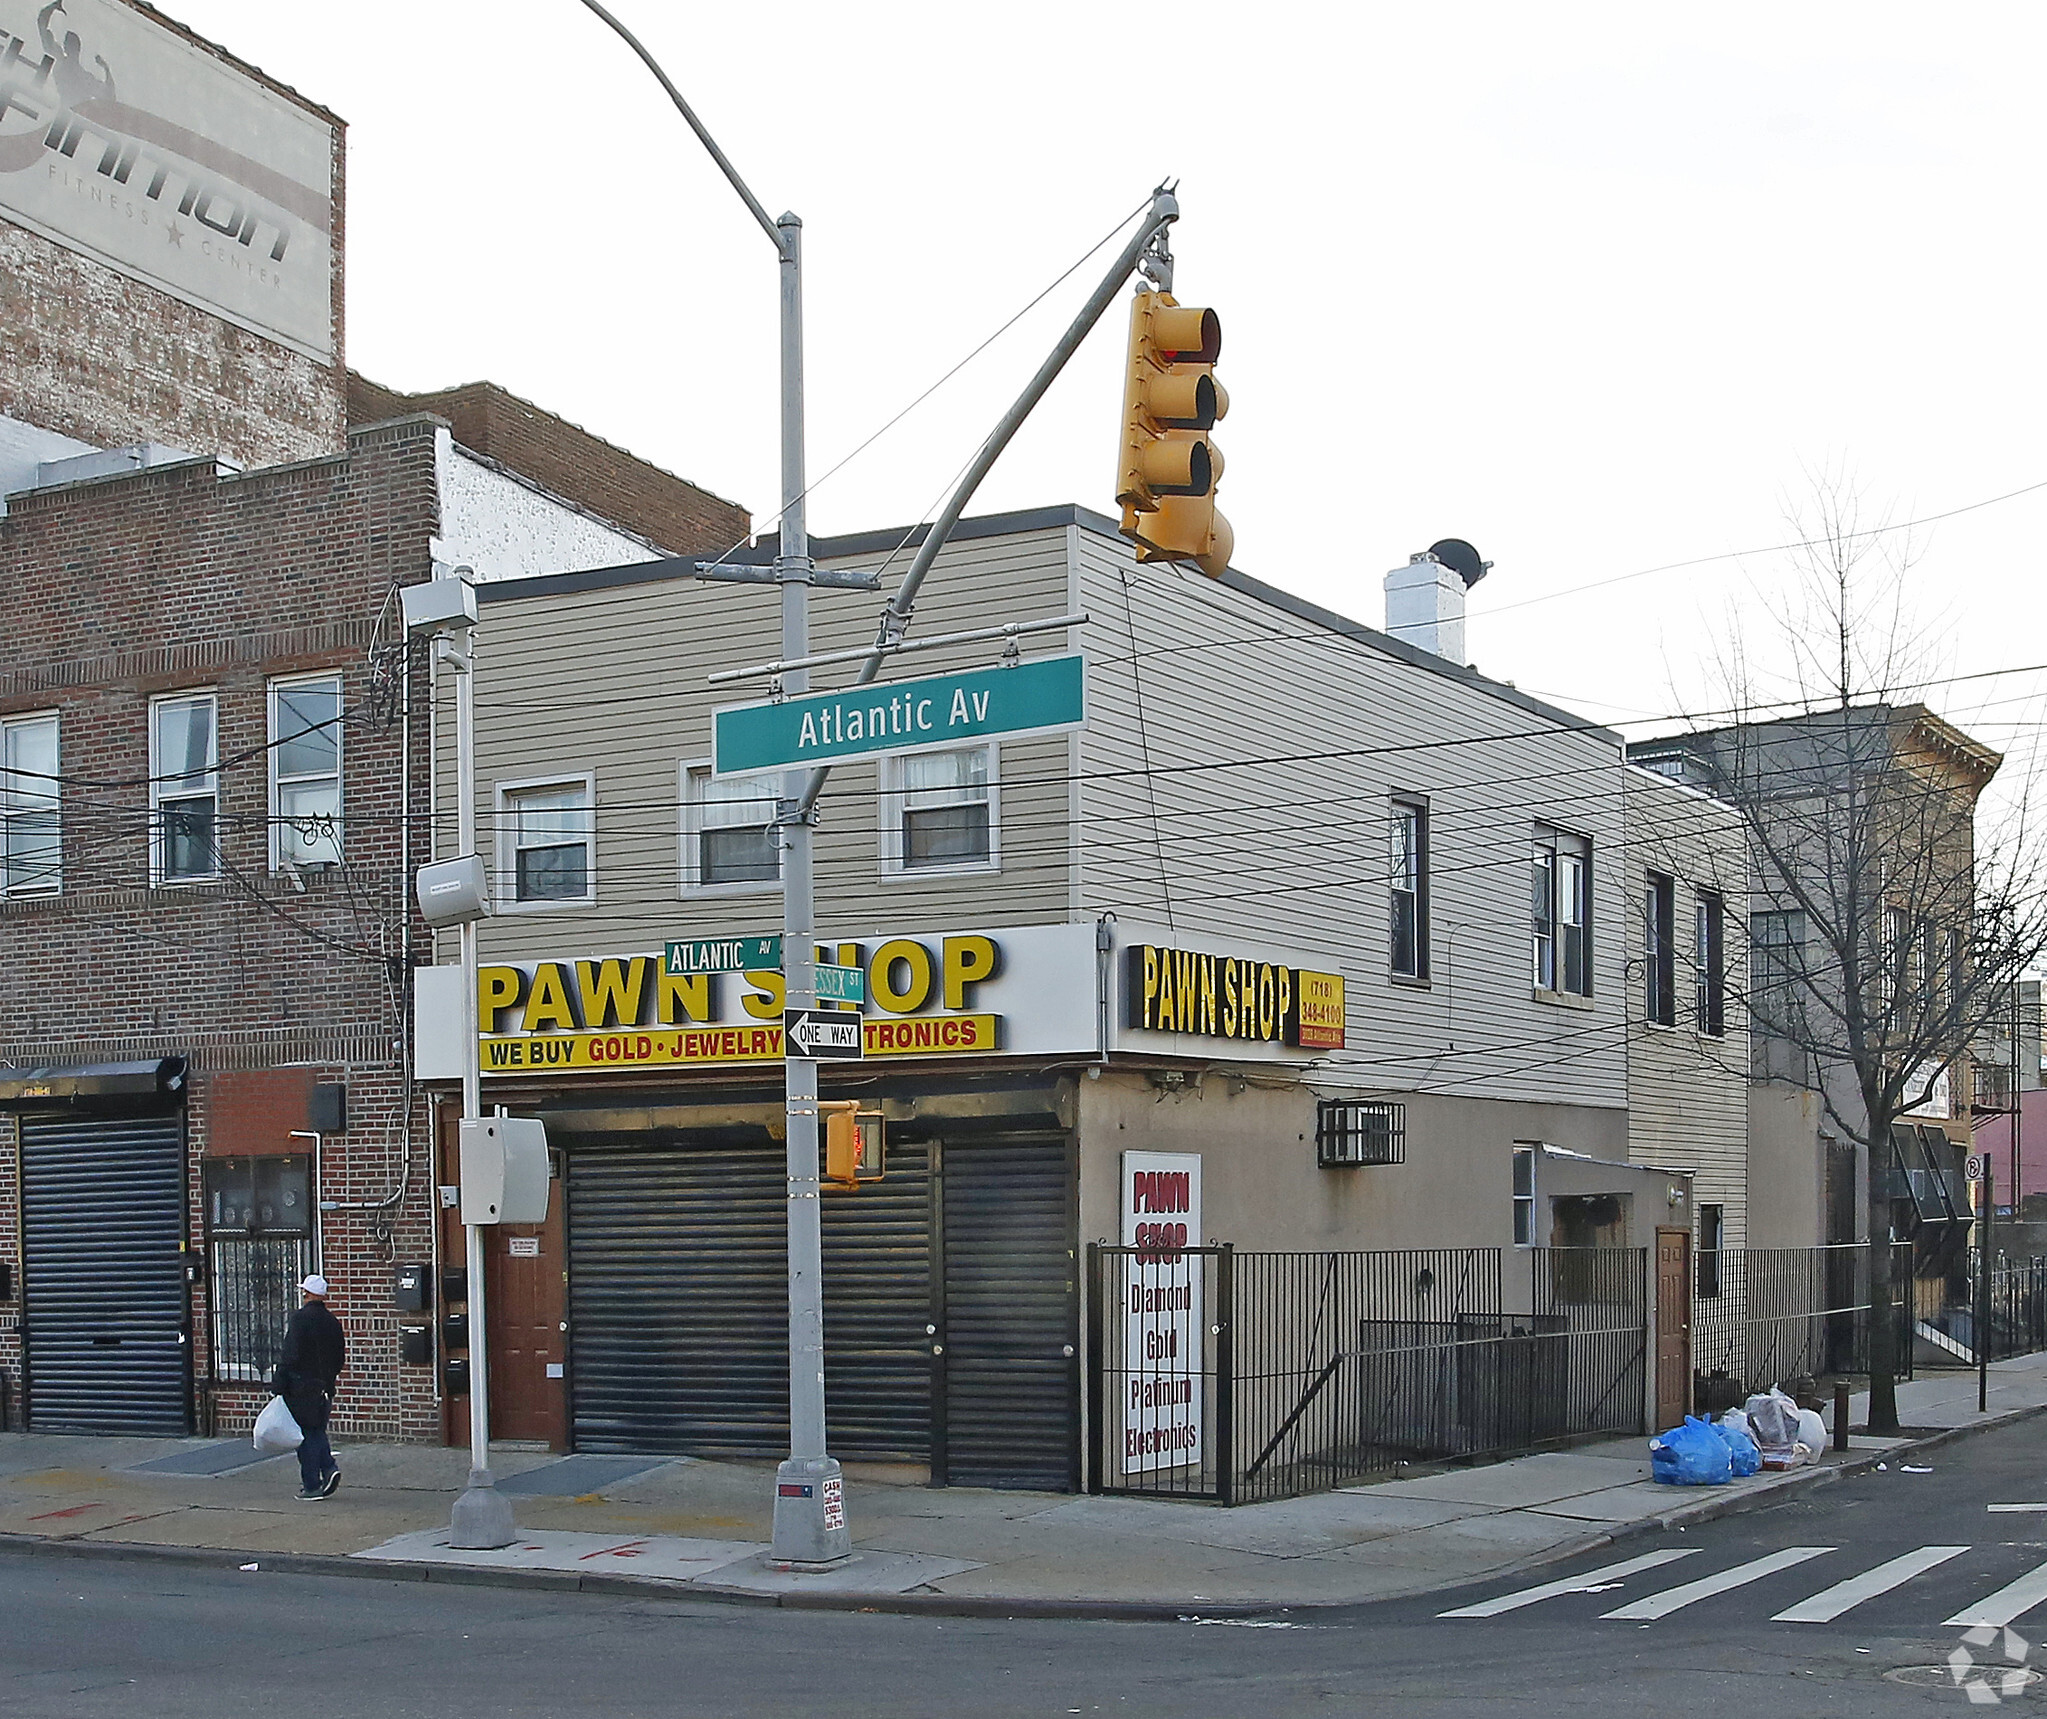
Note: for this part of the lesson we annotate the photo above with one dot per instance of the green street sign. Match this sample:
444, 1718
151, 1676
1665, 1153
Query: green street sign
840, 984
1042, 695
724, 955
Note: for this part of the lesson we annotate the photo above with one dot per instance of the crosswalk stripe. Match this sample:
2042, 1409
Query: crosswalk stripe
1674, 1599
1577, 1584
1569, 1585
2014, 1600
2012, 1509
1830, 1603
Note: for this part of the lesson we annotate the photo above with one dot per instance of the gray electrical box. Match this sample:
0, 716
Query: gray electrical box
439, 605
504, 1170
452, 892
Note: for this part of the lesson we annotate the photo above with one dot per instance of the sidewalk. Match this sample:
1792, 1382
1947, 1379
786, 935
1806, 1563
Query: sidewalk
599, 1522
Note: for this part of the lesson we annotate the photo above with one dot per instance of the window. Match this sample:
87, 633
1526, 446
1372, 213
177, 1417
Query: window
1524, 1196
1351, 1131
1896, 956
259, 1221
1709, 963
938, 810
305, 772
184, 761
1659, 965
1777, 952
728, 834
1410, 889
1712, 1227
545, 836
29, 852
1563, 912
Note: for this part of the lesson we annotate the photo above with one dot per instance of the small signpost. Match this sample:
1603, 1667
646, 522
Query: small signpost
821, 1035
724, 955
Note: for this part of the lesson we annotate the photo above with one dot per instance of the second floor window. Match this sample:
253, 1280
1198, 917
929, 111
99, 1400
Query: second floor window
940, 810
305, 772
1410, 891
547, 829
1562, 904
1776, 964
1709, 960
29, 853
1659, 911
728, 830
184, 765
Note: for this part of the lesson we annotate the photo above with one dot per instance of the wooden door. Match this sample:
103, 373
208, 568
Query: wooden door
1673, 1326
526, 1305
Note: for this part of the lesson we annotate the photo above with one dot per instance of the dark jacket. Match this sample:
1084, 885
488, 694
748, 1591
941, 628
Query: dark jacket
314, 1352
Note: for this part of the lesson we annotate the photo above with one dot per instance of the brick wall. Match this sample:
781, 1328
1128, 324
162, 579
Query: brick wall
682, 518
187, 578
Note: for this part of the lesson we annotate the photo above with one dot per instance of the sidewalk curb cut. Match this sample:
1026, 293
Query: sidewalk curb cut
1794, 1485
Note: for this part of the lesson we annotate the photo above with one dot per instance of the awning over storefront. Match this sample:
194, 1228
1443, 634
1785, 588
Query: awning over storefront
91, 1082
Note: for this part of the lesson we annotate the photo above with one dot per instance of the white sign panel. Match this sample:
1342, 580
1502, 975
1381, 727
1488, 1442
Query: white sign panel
1162, 1313
122, 140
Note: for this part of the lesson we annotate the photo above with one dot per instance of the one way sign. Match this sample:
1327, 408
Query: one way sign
822, 1035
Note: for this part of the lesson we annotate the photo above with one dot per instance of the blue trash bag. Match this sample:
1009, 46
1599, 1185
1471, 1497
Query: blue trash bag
1744, 1456
1690, 1455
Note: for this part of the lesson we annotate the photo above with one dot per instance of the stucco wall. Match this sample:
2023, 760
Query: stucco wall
1786, 1167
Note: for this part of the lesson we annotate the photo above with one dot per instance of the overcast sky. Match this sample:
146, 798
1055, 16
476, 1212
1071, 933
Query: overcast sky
1589, 285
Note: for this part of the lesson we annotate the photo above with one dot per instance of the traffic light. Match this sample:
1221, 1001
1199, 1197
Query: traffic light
1167, 468
854, 1144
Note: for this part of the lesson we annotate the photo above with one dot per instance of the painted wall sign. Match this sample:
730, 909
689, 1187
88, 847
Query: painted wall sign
1018, 991
1219, 996
1041, 695
1164, 1338
124, 141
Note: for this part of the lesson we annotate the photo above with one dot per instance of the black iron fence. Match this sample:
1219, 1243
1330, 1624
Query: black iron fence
2017, 1322
1237, 1376
1766, 1316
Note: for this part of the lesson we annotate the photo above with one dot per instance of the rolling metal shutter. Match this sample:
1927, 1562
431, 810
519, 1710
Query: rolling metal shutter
1012, 1409
678, 1303
103, 1290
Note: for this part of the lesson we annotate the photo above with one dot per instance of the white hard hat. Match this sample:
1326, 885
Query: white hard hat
314, 1285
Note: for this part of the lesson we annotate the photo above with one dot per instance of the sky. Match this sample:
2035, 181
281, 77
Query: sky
1596, 287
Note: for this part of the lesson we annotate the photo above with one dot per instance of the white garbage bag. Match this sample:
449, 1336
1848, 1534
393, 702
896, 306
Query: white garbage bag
276, 1431
1812, 1431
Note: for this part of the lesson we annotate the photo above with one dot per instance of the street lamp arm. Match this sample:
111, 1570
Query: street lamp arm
696, 125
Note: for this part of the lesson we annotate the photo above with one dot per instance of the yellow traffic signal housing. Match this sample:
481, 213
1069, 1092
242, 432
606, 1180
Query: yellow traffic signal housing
1168, 468
855, 1149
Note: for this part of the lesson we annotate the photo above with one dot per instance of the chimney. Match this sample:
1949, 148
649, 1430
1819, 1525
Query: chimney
1425, 599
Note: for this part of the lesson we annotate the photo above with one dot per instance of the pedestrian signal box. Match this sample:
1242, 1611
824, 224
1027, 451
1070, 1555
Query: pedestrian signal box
854, 1145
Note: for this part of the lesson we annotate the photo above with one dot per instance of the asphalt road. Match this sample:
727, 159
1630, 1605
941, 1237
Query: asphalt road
86, 1637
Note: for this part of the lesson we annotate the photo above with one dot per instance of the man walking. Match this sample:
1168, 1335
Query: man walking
314, 1353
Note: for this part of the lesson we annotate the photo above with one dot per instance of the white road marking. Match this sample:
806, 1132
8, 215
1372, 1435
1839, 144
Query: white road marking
2013, 1601
1590, 1582
2013, 1509
1830, 1603
1674, 1599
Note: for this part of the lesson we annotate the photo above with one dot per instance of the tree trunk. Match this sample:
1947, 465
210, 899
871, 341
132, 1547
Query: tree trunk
1883, 1324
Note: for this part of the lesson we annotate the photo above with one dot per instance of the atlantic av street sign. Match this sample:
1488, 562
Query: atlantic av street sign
822, 1036
723, 955
1042, 695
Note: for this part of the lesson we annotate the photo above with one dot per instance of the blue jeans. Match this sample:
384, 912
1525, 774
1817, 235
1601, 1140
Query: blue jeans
316, 1455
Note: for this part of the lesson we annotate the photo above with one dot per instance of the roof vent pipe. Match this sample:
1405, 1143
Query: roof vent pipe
1425, 599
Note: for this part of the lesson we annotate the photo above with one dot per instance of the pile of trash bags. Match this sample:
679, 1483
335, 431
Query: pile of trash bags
1770, 1431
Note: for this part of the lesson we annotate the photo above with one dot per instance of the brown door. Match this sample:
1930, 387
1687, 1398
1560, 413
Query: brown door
1673, 1326
526, 1306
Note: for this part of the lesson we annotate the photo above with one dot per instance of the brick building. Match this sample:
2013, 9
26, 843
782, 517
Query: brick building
215, 744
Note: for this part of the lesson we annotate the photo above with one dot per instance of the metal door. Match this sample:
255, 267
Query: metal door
103, 1281
1010, 1382
678, 1302
1673, 1326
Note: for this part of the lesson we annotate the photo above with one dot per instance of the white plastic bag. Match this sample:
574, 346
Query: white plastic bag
1773, 1422
276, 1431
1738, 1420
1812, 1431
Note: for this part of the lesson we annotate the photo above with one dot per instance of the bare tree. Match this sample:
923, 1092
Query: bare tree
1889, 926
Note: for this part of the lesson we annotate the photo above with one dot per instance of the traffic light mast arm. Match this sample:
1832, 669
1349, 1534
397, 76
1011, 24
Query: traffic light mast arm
895, 617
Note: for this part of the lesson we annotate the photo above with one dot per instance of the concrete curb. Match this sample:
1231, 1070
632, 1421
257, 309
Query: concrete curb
1794, 1484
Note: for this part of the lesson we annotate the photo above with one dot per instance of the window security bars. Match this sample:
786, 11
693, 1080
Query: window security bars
1350, 1132
1237, 1377
1793, 1312
259, 1221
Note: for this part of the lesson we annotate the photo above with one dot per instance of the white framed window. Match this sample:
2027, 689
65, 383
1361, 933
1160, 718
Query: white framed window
547, 843
1524, 1196
728, 831
305, 772
1562, 920
1709, 960
30, 839
1659, 950
184, 787
1410, 890
940, 811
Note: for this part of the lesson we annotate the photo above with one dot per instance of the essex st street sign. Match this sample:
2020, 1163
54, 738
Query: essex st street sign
822, 1036
1041, 695
840, 984
724, 955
